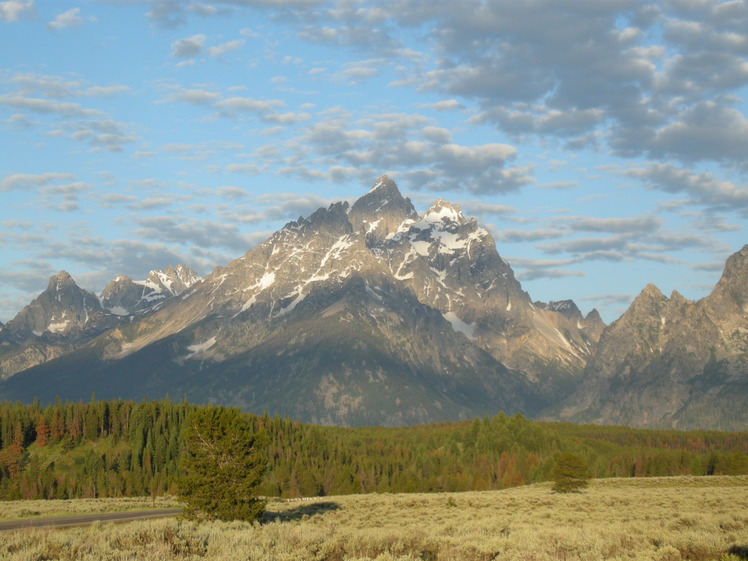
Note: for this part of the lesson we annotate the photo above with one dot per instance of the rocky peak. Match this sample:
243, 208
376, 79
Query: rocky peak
62, 309
594, 317
183, 274
731, 293
444, 215
381, 211
122, 296
567, 308
649, 304
332, 220
60, 282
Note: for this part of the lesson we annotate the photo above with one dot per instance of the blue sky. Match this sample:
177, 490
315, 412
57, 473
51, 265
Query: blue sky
603, 144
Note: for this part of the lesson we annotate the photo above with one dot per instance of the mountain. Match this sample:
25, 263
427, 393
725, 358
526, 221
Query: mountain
671, 362
371, 314
359, 314
64, 316
56, 322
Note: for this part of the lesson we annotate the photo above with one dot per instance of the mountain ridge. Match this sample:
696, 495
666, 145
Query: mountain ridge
370, 313
671, 361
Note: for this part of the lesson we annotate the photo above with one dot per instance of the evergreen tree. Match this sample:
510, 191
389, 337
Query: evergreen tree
223, 463
42, 431
570, 474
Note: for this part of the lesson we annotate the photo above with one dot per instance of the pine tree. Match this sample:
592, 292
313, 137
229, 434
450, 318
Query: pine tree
223, 464
570, 474
42, 431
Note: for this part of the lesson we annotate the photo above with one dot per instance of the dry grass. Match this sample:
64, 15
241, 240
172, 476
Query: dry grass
666, 519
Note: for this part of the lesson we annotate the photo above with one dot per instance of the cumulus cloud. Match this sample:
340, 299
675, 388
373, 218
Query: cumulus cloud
101, 134
706, 131
40, 105
235, 105
420, 154
15, 10
446, 105
60, 87
203, 233
189, 47
703, 188
641, 92
227, 47
69, 19
28, 181
617, 225
192, 96
528, 269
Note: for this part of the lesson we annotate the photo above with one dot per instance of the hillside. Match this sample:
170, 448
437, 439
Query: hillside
113, 448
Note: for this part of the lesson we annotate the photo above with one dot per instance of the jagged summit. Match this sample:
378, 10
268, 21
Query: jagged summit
443, 213
567, 308
384, 185
60, 281
123, 296
732, 289
54, 323
381, 211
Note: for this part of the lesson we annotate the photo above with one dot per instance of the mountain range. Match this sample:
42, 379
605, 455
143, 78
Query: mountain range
372, 313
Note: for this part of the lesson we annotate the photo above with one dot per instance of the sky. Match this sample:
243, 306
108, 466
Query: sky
603, 143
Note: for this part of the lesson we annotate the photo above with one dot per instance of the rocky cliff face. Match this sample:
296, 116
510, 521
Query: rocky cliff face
670, 362
369, 313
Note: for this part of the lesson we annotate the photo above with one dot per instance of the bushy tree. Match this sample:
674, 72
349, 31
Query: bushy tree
223, 464
570, 473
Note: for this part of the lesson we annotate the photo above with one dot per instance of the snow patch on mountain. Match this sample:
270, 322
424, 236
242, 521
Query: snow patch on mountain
199, 348
291, 306
381, 181
59, 326
467, 329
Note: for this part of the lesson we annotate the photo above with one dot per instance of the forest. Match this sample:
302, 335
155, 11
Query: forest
126, 448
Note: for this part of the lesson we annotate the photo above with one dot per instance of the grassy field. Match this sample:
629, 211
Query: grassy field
662, 519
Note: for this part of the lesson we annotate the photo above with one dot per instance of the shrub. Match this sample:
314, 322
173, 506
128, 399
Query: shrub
570, 473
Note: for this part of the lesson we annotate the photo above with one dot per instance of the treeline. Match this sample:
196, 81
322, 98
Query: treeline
96, 449
124, 448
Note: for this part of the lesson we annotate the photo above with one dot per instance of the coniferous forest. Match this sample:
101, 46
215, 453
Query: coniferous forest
126, 448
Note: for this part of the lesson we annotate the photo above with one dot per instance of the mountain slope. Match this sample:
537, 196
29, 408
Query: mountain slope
670, 362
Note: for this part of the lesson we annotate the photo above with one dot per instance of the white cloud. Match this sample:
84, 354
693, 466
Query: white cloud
193, 96
27, 181
69, 19
39, 105
15, 10
617, 225
189, 47
248, 104
224, 48
704, 188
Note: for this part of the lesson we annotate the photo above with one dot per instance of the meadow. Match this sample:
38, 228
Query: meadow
662, 519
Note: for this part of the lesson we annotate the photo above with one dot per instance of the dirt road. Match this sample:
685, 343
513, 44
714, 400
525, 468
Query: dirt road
85, 519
